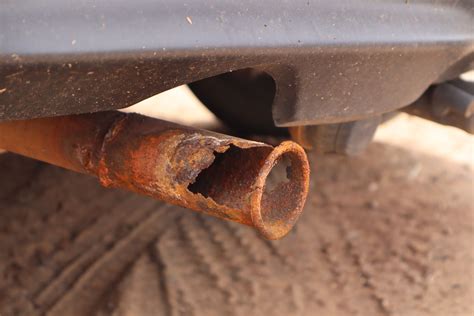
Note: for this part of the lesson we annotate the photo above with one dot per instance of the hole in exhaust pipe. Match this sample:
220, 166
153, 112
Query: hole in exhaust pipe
201, 183
228, 180
204, 183
234, 177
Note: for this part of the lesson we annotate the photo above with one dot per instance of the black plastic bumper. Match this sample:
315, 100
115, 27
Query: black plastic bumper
332, 61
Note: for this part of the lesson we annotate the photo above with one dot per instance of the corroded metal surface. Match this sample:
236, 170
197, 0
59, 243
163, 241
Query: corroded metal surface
219, 175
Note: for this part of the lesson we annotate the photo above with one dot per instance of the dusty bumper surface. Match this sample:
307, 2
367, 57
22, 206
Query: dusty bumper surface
332, 61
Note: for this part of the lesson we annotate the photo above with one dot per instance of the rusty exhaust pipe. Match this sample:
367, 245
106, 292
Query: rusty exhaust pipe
219, 175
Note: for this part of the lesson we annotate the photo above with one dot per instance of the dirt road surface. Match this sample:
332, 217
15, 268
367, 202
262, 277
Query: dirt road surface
390, 232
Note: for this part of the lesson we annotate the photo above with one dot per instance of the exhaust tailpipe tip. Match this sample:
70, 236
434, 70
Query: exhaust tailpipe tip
275, 209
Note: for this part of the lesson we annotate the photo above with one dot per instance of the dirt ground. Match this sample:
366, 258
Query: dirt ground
390, 232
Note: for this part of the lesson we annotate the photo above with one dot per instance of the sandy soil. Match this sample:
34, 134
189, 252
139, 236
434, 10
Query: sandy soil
389, 232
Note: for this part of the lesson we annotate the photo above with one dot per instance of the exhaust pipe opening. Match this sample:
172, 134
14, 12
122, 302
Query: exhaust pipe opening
278, 195
285, 186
